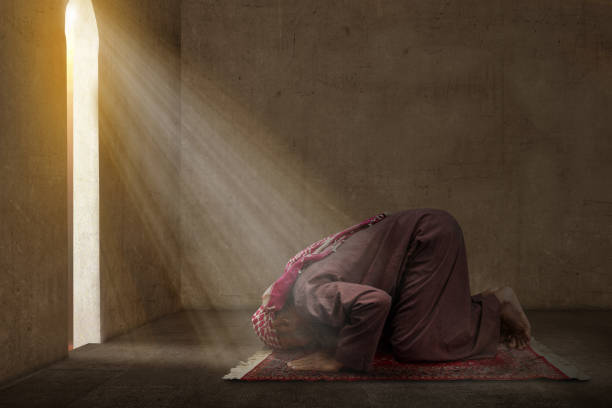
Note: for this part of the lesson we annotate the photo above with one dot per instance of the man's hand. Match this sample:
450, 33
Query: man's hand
319, 361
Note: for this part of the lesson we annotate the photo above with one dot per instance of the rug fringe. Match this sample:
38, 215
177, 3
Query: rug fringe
244, 367
563, 365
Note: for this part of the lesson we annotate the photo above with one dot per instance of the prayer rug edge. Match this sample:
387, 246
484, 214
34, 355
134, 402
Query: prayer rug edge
244, 367
565, 370
558, 362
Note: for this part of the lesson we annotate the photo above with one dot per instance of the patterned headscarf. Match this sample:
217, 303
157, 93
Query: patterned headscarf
275, 296
262, 323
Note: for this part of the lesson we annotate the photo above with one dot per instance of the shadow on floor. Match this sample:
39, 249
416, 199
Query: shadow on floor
178, 361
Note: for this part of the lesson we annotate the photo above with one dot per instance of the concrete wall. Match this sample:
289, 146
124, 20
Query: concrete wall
33, 189
300, 118
139, 161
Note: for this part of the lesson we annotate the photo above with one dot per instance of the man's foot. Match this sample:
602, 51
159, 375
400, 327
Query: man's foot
516, 330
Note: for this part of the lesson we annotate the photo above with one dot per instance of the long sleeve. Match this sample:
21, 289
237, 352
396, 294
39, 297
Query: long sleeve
358, 311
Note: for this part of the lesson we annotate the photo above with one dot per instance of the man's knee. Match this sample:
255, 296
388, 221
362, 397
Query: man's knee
401, 350
407, 350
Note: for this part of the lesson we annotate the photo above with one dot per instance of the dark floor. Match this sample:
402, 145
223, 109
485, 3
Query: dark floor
178, 362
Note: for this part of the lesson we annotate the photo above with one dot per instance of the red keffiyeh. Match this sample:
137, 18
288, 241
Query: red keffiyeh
279, 290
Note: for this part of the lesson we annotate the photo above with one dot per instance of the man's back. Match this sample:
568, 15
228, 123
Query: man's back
410, 269
351, 290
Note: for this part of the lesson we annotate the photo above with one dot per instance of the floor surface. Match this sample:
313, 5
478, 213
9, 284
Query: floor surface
178, 361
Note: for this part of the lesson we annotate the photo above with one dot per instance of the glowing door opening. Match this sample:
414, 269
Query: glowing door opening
83, 170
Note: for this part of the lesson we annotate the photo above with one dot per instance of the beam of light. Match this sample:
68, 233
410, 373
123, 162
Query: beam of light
246, 205
206, 175
82, 78
139, 108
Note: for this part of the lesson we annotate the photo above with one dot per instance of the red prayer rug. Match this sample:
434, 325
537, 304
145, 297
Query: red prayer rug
535, 361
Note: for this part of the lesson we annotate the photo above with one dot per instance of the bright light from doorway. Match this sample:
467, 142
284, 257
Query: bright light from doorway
82, 78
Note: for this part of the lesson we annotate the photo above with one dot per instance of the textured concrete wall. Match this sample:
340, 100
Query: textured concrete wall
301, 117
33, 203
139, 161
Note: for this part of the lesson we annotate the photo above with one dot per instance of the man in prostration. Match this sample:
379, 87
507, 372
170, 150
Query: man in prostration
398, 281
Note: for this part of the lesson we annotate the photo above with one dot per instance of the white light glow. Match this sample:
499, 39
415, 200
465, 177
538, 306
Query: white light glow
82, 54
71, 16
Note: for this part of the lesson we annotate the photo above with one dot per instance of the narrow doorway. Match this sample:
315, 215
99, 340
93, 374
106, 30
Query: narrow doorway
82, 45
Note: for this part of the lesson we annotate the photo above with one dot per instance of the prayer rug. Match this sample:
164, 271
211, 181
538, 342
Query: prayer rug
534, 361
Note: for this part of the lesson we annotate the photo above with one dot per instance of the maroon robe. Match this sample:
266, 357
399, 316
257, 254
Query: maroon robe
402, 282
